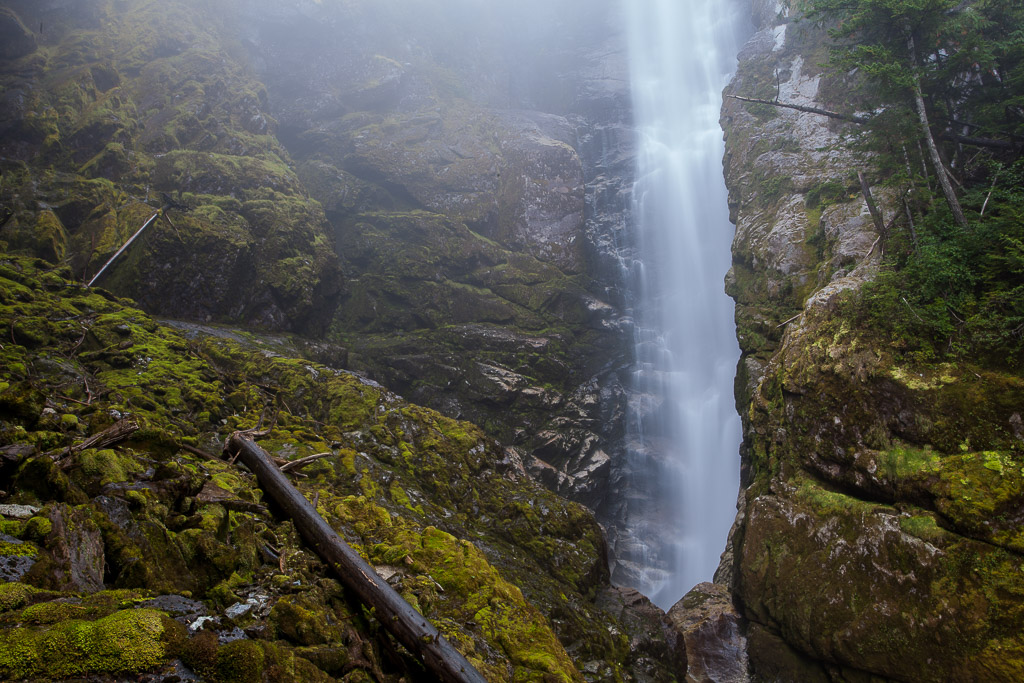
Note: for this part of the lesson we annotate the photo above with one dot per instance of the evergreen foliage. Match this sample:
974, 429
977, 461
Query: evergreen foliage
943, 71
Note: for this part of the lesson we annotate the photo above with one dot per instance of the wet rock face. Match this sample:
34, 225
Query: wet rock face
15, 39
881, 494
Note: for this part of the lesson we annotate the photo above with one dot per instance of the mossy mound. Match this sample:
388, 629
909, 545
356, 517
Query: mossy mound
128, 641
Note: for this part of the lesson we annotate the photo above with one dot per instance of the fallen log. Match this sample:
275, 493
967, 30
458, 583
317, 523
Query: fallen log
407, 625
973, 141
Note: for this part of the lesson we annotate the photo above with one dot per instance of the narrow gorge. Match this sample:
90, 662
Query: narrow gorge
462, 268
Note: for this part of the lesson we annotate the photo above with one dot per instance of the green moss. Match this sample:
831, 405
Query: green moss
13, 595
827, 501
923, 527
12, 527
51, 237
125, 642
302, 621
107, 465
18, 549
825, 193
240, 661
902, 462
51, 612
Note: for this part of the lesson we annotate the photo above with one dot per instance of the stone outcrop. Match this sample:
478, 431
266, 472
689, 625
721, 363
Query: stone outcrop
878, 536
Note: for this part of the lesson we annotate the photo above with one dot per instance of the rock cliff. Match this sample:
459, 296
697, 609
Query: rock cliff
878, 533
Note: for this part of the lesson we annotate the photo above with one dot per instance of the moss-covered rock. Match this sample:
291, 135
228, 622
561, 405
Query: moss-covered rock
125, 642
502, 566
883, 491
96, 113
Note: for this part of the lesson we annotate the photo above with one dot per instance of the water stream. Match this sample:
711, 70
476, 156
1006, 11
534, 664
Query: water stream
683, 431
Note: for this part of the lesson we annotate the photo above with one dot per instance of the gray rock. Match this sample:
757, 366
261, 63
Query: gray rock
13, 567
76, 546
18, 511
711, 631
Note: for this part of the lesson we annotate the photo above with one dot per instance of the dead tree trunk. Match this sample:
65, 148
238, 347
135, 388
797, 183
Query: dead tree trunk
852, 118
410, 627
926, 131
876, 216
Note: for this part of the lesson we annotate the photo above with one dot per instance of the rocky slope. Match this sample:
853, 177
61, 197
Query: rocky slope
444, 212
879, 529
152, 554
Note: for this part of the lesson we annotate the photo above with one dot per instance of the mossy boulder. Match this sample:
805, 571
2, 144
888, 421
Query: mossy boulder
893, 488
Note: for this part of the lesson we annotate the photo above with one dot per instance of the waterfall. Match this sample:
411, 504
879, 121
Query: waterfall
683, 432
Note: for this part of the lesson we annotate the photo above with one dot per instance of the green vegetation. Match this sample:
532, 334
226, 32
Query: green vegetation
948, 79
950, 293
125, 642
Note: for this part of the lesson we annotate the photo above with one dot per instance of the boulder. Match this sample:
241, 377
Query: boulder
711, 632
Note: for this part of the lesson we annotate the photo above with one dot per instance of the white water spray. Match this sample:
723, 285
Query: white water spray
683, 431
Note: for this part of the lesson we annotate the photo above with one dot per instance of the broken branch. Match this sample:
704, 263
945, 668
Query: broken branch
123, 247
302, 462
872, 207
119, 431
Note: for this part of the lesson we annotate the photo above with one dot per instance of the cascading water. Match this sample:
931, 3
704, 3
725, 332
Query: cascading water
683, 431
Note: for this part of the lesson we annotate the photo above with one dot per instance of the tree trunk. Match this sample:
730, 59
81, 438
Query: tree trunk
876, 216
396, 615
933, 151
